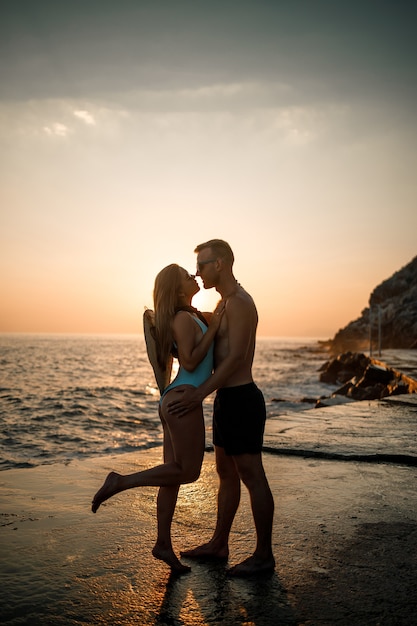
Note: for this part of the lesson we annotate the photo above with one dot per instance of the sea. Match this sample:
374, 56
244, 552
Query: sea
65, 397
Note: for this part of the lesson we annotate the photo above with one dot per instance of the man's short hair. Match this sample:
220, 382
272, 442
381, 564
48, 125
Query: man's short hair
220, 249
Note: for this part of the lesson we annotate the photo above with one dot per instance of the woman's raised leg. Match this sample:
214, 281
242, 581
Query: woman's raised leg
187, 437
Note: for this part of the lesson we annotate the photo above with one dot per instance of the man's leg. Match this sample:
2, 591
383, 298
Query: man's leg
228, 499
252, 473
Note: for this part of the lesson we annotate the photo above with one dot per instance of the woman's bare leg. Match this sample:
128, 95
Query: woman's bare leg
166, 502
184, 440
187, 437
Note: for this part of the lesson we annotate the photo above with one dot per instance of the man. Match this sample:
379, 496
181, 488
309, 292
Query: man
238, 414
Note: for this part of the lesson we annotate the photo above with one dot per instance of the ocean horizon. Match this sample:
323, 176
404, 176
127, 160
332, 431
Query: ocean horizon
68, 395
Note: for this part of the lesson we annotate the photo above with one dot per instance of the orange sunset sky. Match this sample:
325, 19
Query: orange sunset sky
131, 131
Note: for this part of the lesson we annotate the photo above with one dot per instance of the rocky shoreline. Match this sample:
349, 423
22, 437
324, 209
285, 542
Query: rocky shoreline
364, 378
390, 320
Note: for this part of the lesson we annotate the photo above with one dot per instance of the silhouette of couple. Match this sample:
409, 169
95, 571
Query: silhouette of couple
215, 353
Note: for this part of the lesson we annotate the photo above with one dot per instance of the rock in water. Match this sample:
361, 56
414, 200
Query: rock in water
365, 378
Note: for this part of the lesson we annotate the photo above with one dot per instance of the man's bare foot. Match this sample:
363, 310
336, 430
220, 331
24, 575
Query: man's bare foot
168, 556
252, 566
109, 488
207, 551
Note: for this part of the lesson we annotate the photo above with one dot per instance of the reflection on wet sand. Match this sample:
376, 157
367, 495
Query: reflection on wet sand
208, 596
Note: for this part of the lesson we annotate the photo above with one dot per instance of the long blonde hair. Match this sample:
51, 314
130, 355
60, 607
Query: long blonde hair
166, 298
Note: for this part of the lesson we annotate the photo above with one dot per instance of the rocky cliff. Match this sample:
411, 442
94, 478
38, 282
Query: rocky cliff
390, 321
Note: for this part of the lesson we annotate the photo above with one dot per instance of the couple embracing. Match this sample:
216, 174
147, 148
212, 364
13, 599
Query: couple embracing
215, 353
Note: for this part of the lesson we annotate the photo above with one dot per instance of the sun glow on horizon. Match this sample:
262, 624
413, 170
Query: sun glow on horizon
125, 142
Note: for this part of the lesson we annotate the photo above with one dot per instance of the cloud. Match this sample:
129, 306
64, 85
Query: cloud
57, 129
35, 119
86, 117
226, 96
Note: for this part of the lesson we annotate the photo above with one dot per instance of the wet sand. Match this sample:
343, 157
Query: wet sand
345, 543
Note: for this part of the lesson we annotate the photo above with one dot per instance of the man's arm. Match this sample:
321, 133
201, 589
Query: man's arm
239, 314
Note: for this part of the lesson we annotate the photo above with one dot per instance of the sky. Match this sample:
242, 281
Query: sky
131, 131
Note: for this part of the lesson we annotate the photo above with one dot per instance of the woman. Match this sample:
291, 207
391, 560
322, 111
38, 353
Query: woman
183, 331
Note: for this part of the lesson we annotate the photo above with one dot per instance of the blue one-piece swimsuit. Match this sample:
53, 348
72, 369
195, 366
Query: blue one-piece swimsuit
201, 372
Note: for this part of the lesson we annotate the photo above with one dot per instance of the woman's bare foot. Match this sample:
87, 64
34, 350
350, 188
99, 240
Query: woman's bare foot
252, 566
209, 550
109, 488
168, 556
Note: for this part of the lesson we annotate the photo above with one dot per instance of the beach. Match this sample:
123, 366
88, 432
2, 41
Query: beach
344, 539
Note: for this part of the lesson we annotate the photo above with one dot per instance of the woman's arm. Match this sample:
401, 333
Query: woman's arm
192, 344
240, 333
